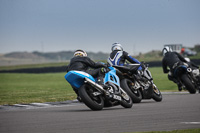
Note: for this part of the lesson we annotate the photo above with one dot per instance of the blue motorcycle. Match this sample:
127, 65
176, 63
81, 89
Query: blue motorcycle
97, 96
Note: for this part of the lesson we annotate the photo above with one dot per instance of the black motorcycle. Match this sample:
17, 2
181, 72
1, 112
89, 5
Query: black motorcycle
138, 83
188, 77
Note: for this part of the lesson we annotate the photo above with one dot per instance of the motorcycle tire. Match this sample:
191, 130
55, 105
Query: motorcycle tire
157, 96
135, 95
126, 102
188, 83
91, 101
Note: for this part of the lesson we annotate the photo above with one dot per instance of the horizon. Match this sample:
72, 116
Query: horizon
89, 51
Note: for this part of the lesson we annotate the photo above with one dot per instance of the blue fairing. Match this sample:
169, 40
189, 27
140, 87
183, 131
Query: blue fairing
76, 78
111, 77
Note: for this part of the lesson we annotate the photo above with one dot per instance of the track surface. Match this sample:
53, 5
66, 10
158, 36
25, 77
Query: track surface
176, 111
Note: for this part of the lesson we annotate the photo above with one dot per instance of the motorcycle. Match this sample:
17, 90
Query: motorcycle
97, 96
188, 77
138, 83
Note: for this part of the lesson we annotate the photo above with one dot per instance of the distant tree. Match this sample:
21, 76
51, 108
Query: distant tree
197, 47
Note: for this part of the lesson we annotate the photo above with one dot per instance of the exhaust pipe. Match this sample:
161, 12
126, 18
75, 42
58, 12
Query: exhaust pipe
97, 86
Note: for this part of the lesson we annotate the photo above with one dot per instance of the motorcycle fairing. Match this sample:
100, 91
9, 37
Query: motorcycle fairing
76, 78
111, 77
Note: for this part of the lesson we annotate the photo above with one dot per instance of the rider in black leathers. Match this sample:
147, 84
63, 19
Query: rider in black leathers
171, 60
84, 63
81, 62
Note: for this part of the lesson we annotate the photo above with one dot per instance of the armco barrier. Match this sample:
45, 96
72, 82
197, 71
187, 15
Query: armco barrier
63, 68
159, 63
37, 70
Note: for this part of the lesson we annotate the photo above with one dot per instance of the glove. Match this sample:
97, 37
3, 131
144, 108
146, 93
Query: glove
104, 70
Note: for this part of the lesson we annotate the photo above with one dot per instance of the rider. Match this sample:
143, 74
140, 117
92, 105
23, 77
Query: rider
119, 57
171, 59
81, 62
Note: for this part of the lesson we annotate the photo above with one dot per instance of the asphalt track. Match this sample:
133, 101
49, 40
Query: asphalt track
176, 111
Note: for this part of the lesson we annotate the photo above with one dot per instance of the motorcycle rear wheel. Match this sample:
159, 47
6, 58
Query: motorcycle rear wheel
157, 96
93, 102
188, 83
135, 95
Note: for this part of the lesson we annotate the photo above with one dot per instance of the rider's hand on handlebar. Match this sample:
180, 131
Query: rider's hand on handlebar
105, 69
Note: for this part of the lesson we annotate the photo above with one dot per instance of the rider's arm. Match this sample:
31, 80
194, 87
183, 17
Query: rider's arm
164, 66
181, 57
131, 59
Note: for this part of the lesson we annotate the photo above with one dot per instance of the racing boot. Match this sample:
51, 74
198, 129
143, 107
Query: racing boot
100, 78
179, 86
79, 99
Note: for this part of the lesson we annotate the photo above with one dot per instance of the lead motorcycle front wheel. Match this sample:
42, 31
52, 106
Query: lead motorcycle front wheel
86, 92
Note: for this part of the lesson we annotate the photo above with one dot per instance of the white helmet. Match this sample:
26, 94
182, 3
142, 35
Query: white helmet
80, 52
187, 59
166, 50
116, 46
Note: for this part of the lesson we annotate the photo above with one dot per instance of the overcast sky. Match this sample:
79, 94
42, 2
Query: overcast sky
93, 25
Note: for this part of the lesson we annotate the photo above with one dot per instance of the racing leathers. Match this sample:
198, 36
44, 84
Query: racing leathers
85, 64
97, 70
172, 60
119, 58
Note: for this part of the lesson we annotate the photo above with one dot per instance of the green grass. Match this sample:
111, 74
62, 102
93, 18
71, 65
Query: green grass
196, 56
174, 131
17, 88
28, 88
161, 80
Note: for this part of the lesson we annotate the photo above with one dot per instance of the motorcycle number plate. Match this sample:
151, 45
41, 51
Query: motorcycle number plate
117, 97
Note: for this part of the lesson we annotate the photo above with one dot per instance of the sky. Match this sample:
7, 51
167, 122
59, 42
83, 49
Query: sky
94, 25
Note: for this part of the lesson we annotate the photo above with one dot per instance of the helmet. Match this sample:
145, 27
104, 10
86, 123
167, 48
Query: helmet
187, 59
80, 52
116, 46
166, 50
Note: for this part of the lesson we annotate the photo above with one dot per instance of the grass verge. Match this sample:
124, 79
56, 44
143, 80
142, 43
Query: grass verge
27, 88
